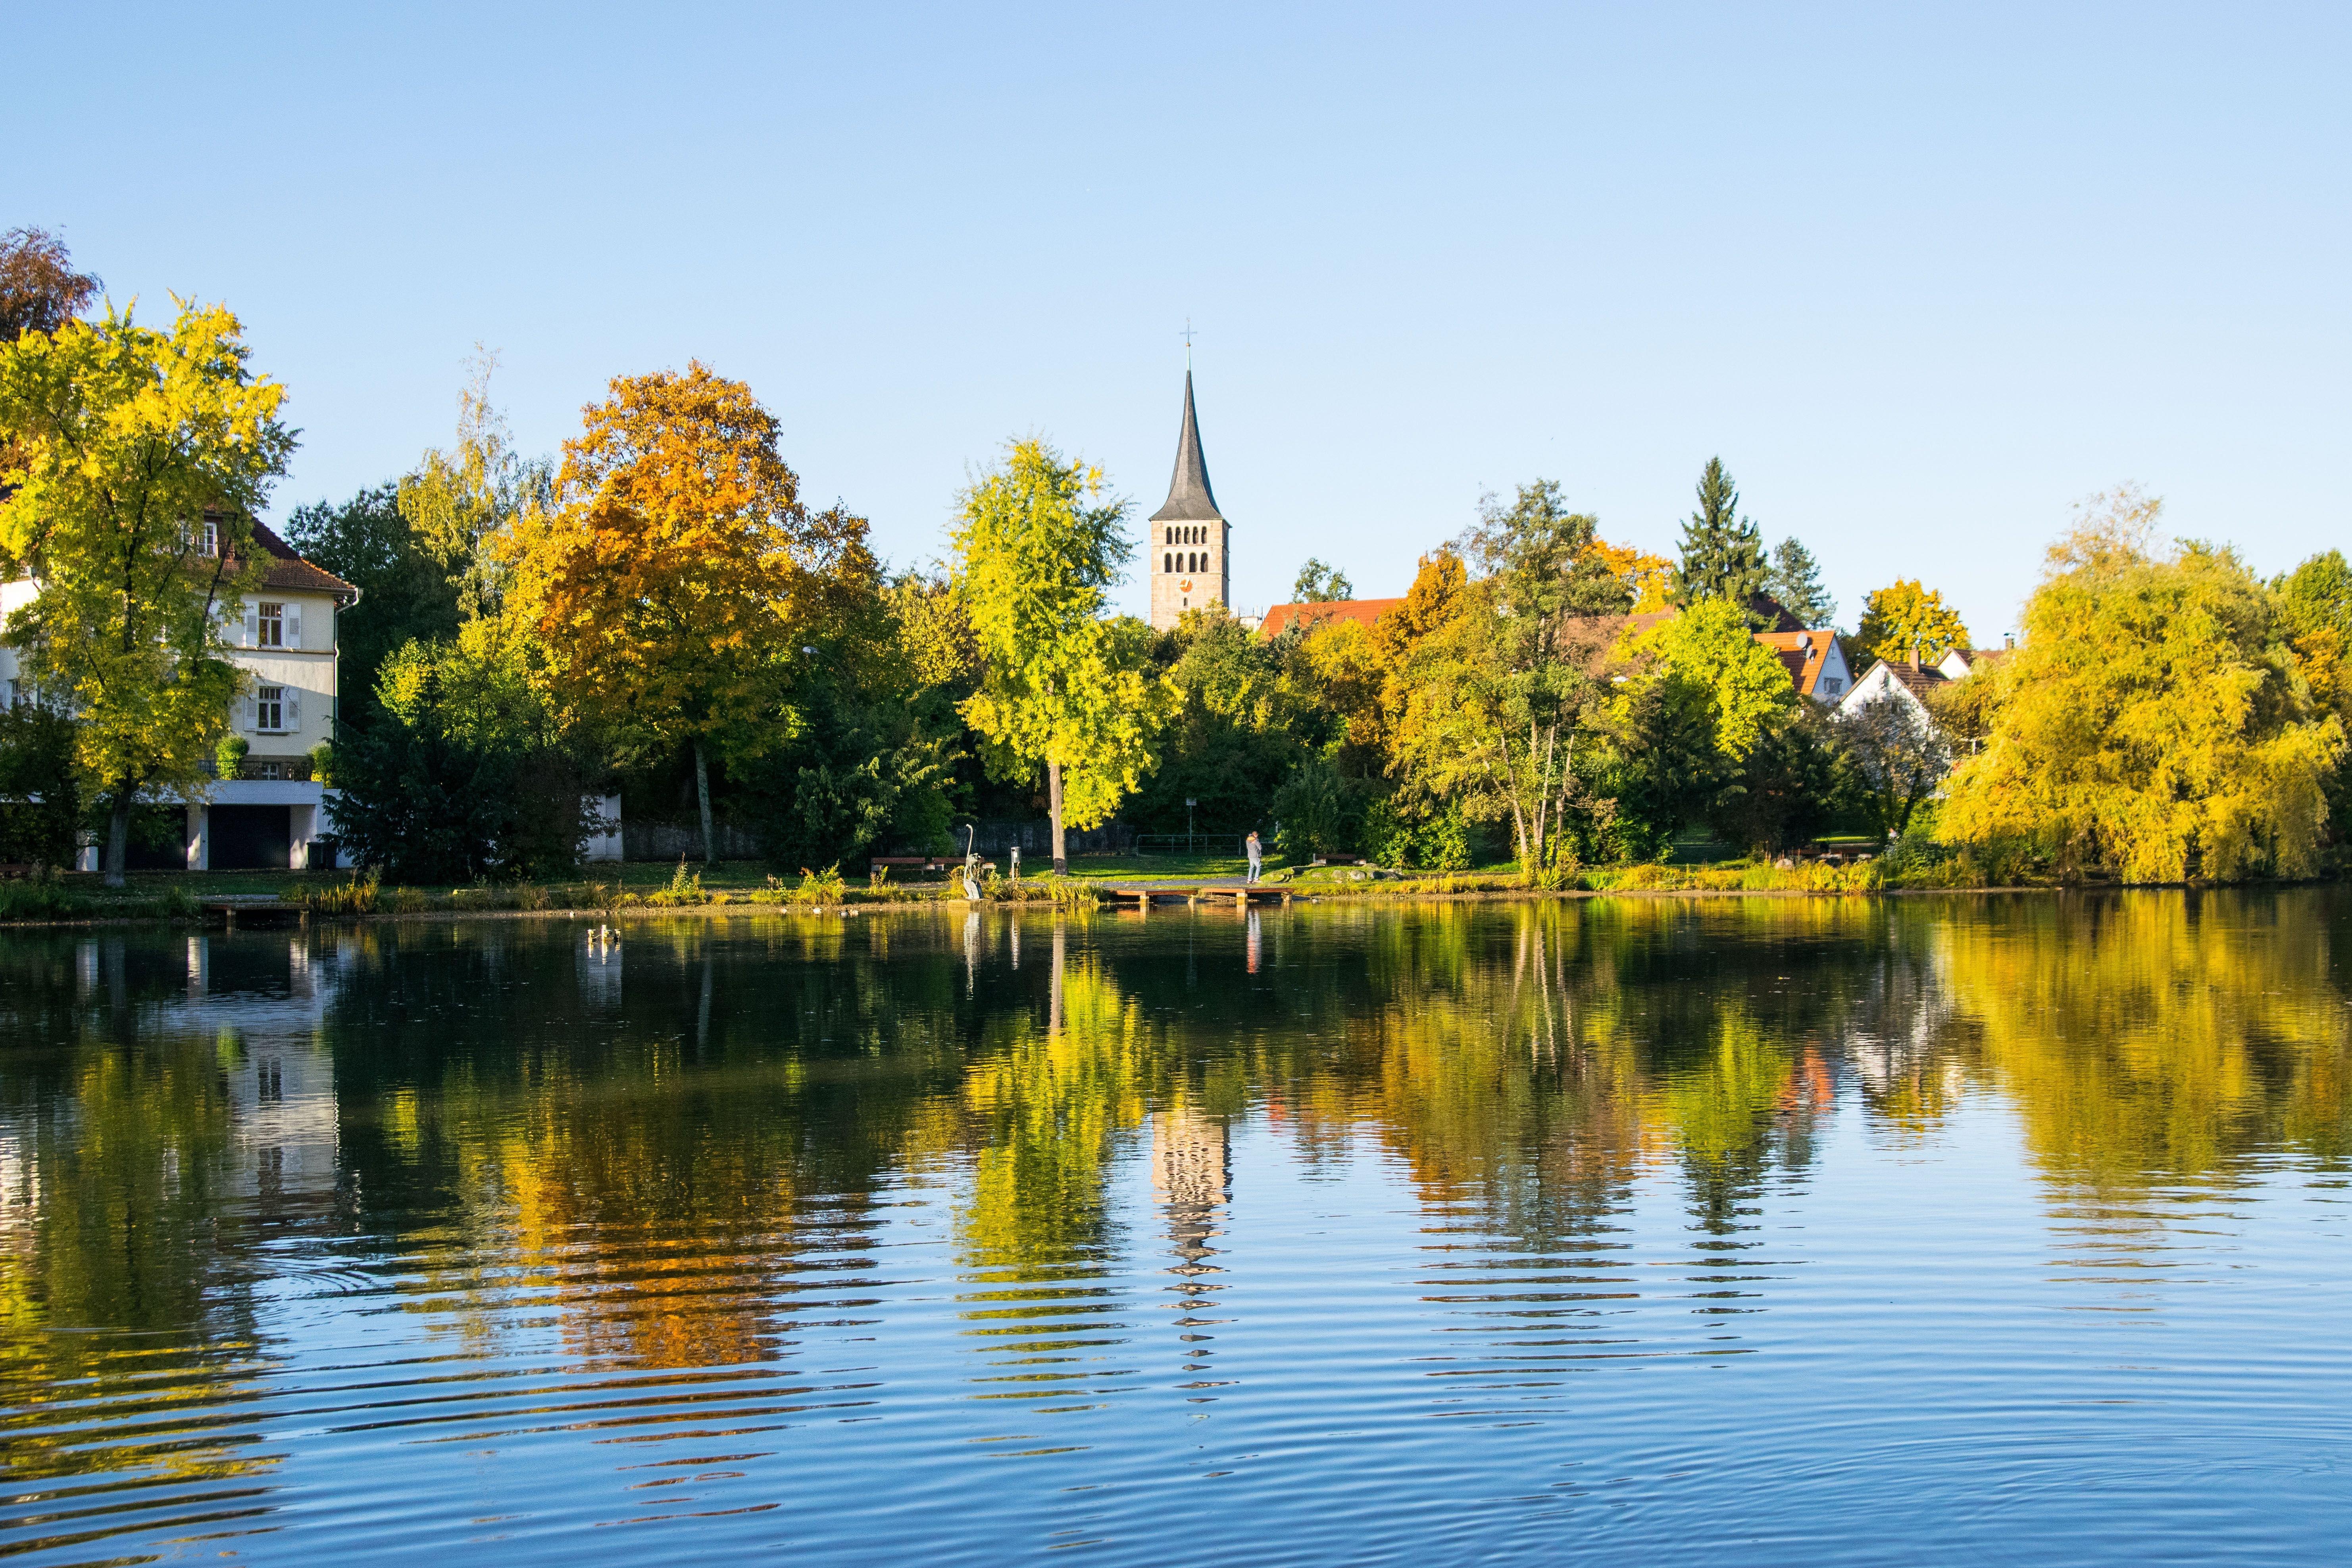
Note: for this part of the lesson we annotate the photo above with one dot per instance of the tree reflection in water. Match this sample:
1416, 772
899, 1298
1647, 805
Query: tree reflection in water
573, 1168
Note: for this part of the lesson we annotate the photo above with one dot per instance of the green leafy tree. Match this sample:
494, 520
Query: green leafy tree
1319, 809
40, 790
1238, 728
1907, 621
470, 773
406, 594
1061, 687
1722, 553
1710, 645
1788, 788
1660, 769
461, 502
1320, 584
1795, 579
873, 762
2316, 602
1498, 696
126, 441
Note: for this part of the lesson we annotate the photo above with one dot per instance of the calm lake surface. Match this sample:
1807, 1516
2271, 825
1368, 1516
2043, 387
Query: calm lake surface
1657, 1231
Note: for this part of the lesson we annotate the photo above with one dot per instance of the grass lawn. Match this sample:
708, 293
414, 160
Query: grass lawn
645, 876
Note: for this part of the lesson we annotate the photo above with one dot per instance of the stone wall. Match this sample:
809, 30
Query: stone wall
644, 840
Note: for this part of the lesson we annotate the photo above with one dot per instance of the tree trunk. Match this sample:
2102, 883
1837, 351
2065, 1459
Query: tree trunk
118, 833
1053, 804
702, 791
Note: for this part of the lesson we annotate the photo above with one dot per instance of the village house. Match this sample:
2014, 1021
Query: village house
1910, 680
284, 632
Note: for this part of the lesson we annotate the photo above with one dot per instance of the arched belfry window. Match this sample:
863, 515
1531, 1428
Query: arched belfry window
1168, 562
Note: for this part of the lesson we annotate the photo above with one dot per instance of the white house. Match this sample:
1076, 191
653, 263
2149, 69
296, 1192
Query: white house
1886, 680
285, 636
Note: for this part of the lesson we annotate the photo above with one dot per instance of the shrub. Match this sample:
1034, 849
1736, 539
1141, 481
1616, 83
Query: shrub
824, 887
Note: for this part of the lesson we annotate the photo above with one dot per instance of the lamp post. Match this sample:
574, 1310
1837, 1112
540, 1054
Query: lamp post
1189, 847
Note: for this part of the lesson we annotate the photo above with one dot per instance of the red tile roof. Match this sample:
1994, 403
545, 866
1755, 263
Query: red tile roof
1363, 612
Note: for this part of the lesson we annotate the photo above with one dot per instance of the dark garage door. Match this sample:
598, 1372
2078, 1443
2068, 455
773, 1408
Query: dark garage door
159, 839
251, 837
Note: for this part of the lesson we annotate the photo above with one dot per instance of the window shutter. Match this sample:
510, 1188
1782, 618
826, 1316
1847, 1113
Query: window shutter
293, 717
293, 625
245, 716
252, 624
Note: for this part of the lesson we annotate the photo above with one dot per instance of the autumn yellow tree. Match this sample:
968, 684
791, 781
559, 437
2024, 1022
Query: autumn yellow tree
2153, 720
123, 441
677, 577
1648, 577
1907, 621
1063, 688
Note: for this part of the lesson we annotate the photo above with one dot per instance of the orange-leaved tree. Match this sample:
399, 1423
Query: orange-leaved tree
678, 576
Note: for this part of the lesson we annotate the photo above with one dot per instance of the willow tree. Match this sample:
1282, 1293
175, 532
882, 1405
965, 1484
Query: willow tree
136, 458
1063, 688
2153, 720
678, 576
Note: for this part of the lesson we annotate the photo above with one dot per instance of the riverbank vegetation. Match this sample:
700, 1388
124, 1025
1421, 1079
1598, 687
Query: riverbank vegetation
656, 615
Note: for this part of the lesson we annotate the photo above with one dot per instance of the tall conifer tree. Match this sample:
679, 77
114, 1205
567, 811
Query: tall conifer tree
1722, 553
1795, 580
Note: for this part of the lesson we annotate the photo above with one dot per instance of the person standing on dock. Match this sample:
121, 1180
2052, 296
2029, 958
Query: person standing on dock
1257, 853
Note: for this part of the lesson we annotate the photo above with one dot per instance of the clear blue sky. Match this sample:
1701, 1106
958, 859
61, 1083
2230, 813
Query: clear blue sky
1922, 280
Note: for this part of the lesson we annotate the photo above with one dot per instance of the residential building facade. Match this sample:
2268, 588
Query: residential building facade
284, 632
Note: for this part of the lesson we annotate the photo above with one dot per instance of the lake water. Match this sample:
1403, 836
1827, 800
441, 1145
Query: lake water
1655, 1231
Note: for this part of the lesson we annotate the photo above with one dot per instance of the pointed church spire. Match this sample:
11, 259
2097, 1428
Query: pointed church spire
1189, 497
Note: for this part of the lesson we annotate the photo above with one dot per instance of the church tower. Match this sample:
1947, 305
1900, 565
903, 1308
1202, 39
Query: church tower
1184, 543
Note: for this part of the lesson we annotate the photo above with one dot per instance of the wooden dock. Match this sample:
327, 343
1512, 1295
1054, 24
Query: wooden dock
1141, 897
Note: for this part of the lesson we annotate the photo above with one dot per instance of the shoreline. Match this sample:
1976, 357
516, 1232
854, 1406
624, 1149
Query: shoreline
278, 916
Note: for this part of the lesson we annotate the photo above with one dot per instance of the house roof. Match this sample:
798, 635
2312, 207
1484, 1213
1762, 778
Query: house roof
1773, 614
283, 569
1918, 679
1805, 654
1363, 612
1189, 499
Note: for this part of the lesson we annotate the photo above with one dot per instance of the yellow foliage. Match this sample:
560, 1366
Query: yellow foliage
1906, 618
2152, 721
1650, 578
676, 581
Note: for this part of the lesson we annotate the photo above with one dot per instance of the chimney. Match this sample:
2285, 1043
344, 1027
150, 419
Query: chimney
1914, 655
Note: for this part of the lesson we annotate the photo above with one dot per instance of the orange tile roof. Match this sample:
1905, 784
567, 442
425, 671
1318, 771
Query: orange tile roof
1803, 652
1363, 612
